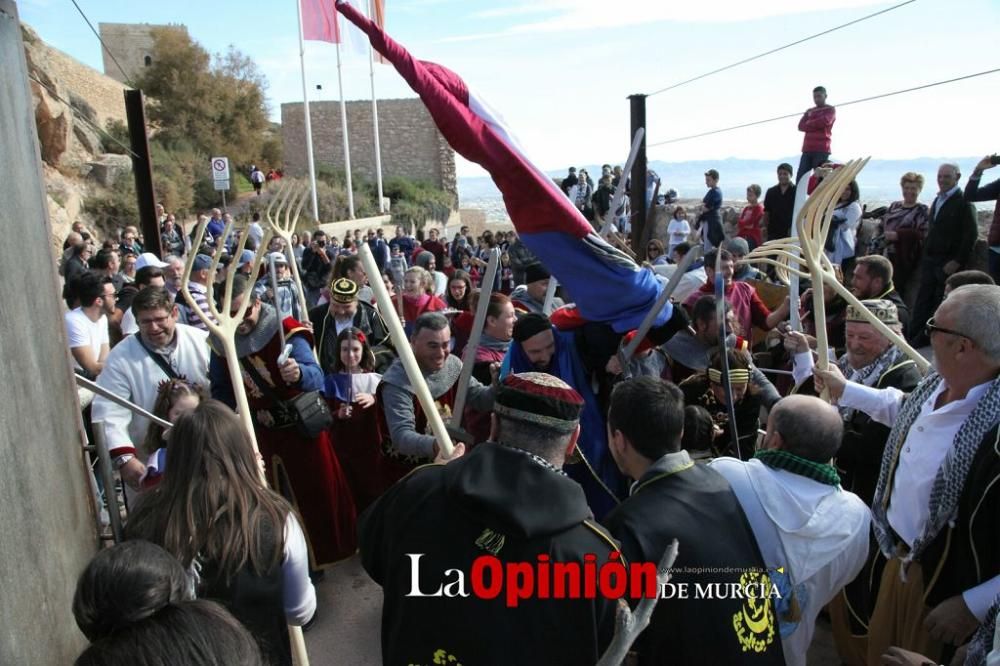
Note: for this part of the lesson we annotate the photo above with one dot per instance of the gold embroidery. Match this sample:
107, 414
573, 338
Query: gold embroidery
490, 541
754, 624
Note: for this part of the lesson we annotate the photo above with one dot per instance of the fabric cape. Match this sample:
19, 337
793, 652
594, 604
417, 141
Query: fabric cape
607, 285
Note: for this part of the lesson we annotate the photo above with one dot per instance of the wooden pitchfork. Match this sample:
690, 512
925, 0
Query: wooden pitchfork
223, 327
813, 225
289, 196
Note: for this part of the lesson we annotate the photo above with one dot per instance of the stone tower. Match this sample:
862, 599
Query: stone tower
132, 46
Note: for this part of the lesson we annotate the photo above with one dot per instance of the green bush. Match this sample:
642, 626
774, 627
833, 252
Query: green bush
118, 142
115, 208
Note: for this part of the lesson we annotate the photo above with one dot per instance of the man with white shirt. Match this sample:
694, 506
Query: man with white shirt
812, 534
937, 503
87, 325
137, 366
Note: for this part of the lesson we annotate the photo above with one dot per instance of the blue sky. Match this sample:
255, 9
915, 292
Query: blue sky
560, 70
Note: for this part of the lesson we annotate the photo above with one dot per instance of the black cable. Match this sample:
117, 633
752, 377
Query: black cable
780, 48
105, 46
842, 104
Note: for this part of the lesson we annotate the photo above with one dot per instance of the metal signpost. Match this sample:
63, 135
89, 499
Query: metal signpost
220, 176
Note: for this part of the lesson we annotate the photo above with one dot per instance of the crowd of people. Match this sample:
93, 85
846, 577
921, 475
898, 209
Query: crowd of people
876, 509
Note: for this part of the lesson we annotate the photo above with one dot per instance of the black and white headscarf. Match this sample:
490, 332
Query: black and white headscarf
869, 374
951, 476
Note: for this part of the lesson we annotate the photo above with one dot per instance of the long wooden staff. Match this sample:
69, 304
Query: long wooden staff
550, 295
402, 345
727, 384
812, 226
469, 357
225, 333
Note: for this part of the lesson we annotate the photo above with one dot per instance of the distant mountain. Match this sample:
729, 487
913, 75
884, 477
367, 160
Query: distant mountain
879, 182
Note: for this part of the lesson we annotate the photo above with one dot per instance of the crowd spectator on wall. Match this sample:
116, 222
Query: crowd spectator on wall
817, 124
749, 226
842, 238
951, 236
678, 229
991, 192
710, 220
901, 232
779, 205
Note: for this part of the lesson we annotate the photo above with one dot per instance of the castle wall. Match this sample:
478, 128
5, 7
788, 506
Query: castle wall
411, 145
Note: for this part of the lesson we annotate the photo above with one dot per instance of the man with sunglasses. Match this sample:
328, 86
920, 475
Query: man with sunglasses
135, 368
937, 502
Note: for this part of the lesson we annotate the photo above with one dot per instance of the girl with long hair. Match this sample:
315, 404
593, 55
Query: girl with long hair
174, 398
459, 293
243, 541
350, 390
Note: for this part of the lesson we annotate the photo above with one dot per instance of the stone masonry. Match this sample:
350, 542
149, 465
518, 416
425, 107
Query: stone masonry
411, 145
132, 46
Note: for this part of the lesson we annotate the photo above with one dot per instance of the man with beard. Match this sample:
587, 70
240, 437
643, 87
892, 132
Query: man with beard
344, 311
304, 469
872, 280
402, 422
135, 368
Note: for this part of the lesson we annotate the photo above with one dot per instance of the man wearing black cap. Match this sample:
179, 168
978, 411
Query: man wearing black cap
426, 532
344, 311
530, 296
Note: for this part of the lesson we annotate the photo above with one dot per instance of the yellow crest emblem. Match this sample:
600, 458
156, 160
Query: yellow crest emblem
755, 623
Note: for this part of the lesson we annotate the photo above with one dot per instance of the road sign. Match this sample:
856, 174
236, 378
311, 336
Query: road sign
220, 170
221, 185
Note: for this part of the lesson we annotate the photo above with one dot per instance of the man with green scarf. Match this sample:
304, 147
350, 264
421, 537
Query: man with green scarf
812, 534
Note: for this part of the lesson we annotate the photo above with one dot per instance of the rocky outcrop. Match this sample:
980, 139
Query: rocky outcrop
109, 168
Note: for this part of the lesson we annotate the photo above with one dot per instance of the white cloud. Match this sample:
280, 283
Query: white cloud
575, 15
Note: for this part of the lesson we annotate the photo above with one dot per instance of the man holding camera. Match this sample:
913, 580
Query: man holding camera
990, 192
317, 266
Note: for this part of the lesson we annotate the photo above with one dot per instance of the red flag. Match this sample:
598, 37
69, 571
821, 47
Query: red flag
319, 21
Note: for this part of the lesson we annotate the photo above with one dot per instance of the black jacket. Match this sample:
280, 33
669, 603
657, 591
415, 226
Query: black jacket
368, 320
499, 501
953, 231
697, 507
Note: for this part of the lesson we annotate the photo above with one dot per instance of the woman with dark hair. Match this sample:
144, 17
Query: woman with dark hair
459, 293
214, 514
350, 390
350, 267
844, 228
127, 583
189, 633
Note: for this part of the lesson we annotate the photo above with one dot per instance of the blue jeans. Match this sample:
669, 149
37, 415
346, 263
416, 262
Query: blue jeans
810, 161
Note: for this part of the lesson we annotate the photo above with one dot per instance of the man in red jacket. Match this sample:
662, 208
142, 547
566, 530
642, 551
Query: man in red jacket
817, 123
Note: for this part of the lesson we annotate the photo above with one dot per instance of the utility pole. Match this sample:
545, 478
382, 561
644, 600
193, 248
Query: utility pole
637, 191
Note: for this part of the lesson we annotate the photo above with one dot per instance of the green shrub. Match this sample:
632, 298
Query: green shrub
116, 207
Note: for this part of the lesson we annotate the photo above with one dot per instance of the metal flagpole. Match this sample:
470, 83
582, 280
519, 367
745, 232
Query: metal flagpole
305, 108
378, 150
343, 128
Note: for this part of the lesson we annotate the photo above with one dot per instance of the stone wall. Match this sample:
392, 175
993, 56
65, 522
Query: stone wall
411, 145
46, 512
74, 81
131, 44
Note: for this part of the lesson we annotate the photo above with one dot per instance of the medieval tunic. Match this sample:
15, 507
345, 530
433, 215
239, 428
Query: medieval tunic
452, 514
405, 435
367, 320
356, 438
694, 504
962, 555
304, 470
